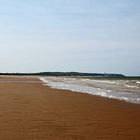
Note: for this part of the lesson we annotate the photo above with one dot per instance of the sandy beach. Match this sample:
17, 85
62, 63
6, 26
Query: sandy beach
31, 111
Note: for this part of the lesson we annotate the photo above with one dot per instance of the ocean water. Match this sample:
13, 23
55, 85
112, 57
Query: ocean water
125, 90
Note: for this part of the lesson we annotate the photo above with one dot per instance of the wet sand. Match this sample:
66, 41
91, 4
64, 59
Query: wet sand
32, 111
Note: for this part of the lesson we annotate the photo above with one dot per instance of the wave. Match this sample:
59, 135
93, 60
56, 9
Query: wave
125, 90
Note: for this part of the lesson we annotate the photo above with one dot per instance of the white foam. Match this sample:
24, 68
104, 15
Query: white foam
96, 87
129, 86
138, 82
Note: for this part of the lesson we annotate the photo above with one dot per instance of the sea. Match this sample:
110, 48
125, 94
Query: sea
124, 90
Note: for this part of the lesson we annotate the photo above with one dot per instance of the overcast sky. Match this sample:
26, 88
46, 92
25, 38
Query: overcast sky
70, 35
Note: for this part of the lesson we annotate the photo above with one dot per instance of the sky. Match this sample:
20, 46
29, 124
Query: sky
101, 36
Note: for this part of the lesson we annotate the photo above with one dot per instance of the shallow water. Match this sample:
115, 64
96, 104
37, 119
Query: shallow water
126, 90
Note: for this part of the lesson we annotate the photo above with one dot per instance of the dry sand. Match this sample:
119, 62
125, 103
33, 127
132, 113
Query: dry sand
31, 111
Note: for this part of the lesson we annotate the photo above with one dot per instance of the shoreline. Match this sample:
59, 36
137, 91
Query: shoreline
34, 111
38, 80
94, 89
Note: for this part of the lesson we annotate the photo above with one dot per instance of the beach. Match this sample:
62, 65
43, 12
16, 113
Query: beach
30, 110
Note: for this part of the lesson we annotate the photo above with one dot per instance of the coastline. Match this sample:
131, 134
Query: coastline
30, 110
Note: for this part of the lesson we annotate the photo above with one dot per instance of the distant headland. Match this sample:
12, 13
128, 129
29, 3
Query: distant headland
77, 74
